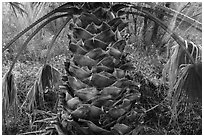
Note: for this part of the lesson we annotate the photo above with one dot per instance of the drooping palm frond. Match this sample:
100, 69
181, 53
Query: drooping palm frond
55, 37
9, 95
48, 78
177, 59
9, 89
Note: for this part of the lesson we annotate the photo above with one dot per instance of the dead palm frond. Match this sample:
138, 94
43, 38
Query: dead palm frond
48, 78
9, 96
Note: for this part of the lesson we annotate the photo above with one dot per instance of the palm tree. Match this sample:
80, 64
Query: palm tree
95, 85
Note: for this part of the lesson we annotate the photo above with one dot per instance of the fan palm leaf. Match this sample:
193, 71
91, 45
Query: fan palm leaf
17, 7
177, 59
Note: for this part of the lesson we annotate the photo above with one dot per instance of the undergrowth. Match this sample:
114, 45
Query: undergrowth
153, 101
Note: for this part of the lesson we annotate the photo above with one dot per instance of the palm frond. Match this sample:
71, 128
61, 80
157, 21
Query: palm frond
179, 58
48, 78
17, 7
9, 95
191, 81
55, 37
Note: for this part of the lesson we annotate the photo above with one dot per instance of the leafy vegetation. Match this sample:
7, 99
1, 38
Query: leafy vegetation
102, 68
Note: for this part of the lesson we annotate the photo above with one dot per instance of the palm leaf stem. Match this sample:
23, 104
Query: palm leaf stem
55, 37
